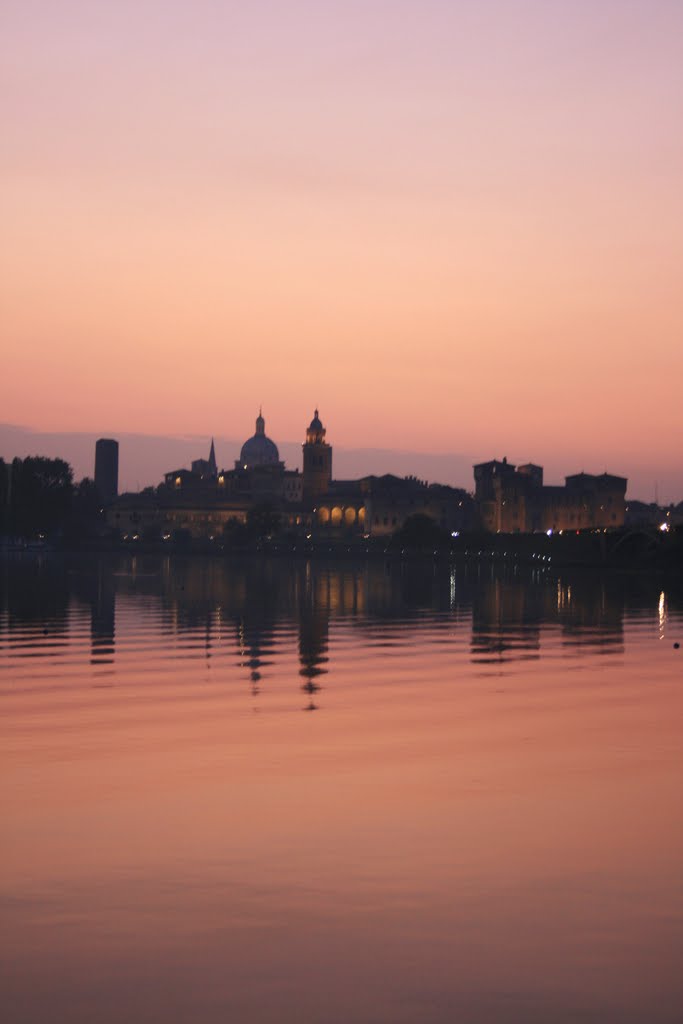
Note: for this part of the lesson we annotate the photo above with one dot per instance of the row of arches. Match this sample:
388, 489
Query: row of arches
341, 516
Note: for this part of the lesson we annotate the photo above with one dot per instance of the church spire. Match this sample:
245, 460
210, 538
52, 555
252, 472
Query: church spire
213, 468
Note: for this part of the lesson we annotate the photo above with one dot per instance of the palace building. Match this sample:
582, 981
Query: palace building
515, 500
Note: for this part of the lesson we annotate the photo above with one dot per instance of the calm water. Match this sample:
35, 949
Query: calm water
311, 792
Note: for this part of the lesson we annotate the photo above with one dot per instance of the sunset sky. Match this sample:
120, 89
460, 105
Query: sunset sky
454, 226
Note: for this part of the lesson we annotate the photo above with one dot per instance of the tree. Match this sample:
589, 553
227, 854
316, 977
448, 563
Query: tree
87, 503
235, 532
38, 495
5, 470
86, 517
263, 520
421, 531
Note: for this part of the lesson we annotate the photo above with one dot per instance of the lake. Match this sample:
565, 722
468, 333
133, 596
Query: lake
270, 790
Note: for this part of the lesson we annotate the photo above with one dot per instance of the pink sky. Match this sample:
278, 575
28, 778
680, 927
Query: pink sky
457, 227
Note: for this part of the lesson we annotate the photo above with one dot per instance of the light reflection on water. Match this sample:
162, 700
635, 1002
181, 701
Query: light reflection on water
481, 822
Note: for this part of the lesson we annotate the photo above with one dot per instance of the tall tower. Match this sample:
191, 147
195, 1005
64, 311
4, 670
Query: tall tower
317, 475
107, 468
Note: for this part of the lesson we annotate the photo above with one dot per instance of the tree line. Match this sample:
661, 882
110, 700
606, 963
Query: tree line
38, 498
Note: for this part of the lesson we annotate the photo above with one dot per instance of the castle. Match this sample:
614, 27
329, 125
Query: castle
201, 501
515, 500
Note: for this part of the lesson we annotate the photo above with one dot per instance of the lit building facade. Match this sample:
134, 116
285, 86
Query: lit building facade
514, 500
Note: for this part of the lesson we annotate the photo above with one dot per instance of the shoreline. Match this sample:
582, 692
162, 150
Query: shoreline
627, 550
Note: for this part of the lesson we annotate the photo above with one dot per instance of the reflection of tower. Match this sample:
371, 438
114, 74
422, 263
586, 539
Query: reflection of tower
107, 468
251, 640
314, 618
506, 619
317, 474
103, 620
256, 618
591, 612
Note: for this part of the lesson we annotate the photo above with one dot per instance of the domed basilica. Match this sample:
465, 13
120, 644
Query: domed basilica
258, 450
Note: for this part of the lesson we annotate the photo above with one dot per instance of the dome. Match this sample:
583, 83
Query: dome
316, 432
316, 426
259, 450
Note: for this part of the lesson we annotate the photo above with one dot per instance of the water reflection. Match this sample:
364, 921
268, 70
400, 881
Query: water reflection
252, 611
591, 612
34, 605
315, 602
479, 825
506, 619
103, 619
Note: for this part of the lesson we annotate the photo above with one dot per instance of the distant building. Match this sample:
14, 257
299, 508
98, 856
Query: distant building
107, 469
515, 500
508, 499
202, 500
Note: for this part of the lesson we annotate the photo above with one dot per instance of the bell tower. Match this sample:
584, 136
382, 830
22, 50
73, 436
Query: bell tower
317, 475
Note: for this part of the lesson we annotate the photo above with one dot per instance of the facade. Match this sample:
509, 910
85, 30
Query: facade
107, 468
149, 516
515, 500
380, 505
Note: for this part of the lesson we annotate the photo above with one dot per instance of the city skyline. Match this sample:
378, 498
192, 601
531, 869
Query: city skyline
455, 227
145, 459
341, 511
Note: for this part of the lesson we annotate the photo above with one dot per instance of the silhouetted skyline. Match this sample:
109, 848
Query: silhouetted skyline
144, 458
455, 227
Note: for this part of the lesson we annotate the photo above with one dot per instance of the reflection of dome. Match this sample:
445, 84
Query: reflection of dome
259, 450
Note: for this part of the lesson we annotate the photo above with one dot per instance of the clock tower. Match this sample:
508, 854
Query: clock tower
317, 475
